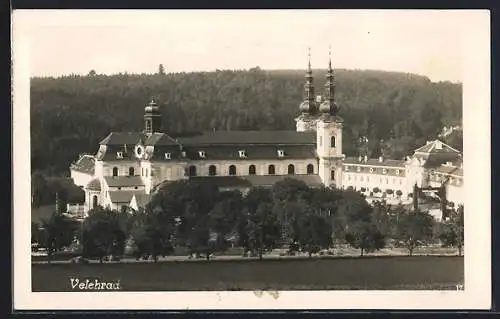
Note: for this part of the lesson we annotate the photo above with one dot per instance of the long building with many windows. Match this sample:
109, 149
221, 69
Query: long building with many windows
130, 166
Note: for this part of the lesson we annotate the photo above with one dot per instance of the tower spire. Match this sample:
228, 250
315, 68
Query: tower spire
329, 106
330, 58
152, 117
309, 60
308, 104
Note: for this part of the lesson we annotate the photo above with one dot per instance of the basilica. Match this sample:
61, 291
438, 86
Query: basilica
130, 166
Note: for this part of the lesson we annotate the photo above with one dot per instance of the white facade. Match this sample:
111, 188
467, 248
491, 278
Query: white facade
81, 179
128, 163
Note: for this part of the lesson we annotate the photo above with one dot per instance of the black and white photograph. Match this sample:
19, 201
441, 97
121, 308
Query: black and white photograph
256, 159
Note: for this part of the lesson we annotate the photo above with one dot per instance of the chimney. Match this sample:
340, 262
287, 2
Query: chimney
380, 159
439, 145
366, 158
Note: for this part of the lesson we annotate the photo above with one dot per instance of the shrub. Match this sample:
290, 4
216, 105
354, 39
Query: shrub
376, 190
389, 191
399, 192
363, 189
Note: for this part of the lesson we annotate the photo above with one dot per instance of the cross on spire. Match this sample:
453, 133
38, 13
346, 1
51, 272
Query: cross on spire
330, 56
309, 57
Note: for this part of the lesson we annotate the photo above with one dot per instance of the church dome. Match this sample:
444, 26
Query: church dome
94, 185
306, 107
151, 107
327, 107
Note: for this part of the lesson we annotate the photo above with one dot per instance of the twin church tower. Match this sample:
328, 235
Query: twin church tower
319, 114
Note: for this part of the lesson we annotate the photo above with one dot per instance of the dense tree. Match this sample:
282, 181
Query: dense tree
56, 233
38, 235
455, 139
314, 233
365, 236
152, 234
38, 185
403, 110
290, 189
263, 229
414, 229
224, 217
381, 217
104, 233
260, 229
452, 232
189, 203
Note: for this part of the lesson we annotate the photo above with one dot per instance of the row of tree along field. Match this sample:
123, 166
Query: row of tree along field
392, 112
204, 220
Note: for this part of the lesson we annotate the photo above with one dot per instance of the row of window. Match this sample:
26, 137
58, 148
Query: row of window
443, 178
367, 179
252, 170
131, 171
384, 170
212, 170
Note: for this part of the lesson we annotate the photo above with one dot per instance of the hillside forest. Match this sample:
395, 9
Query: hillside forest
384, 112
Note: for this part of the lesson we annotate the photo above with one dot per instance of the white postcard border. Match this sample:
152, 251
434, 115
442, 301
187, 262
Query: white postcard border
477, 293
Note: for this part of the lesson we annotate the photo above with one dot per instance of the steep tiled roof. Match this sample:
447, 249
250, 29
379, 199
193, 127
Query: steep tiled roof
94, 185
123, 181
435, 153
123, 196
450, 170
374, 162
253, 152
255, 180
122, 138
160, 139
111, 154
251, 137
142, 199
85, 164
436, 146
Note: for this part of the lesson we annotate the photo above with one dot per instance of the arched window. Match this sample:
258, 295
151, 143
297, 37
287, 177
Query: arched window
271, 170
291, 169
332, 175
115, 171
332, 141
310, 169
232, 170
131, 171
192, 171
251, 170
212, 170
94, 201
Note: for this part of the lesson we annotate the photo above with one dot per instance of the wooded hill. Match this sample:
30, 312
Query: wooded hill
71, 114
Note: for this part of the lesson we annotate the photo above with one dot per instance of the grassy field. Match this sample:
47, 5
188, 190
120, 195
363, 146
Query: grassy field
367, 273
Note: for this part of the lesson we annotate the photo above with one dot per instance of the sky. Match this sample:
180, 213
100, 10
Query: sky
423, 42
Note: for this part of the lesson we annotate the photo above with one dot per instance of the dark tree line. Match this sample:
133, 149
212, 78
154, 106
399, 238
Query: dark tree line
396, 112
204, 220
